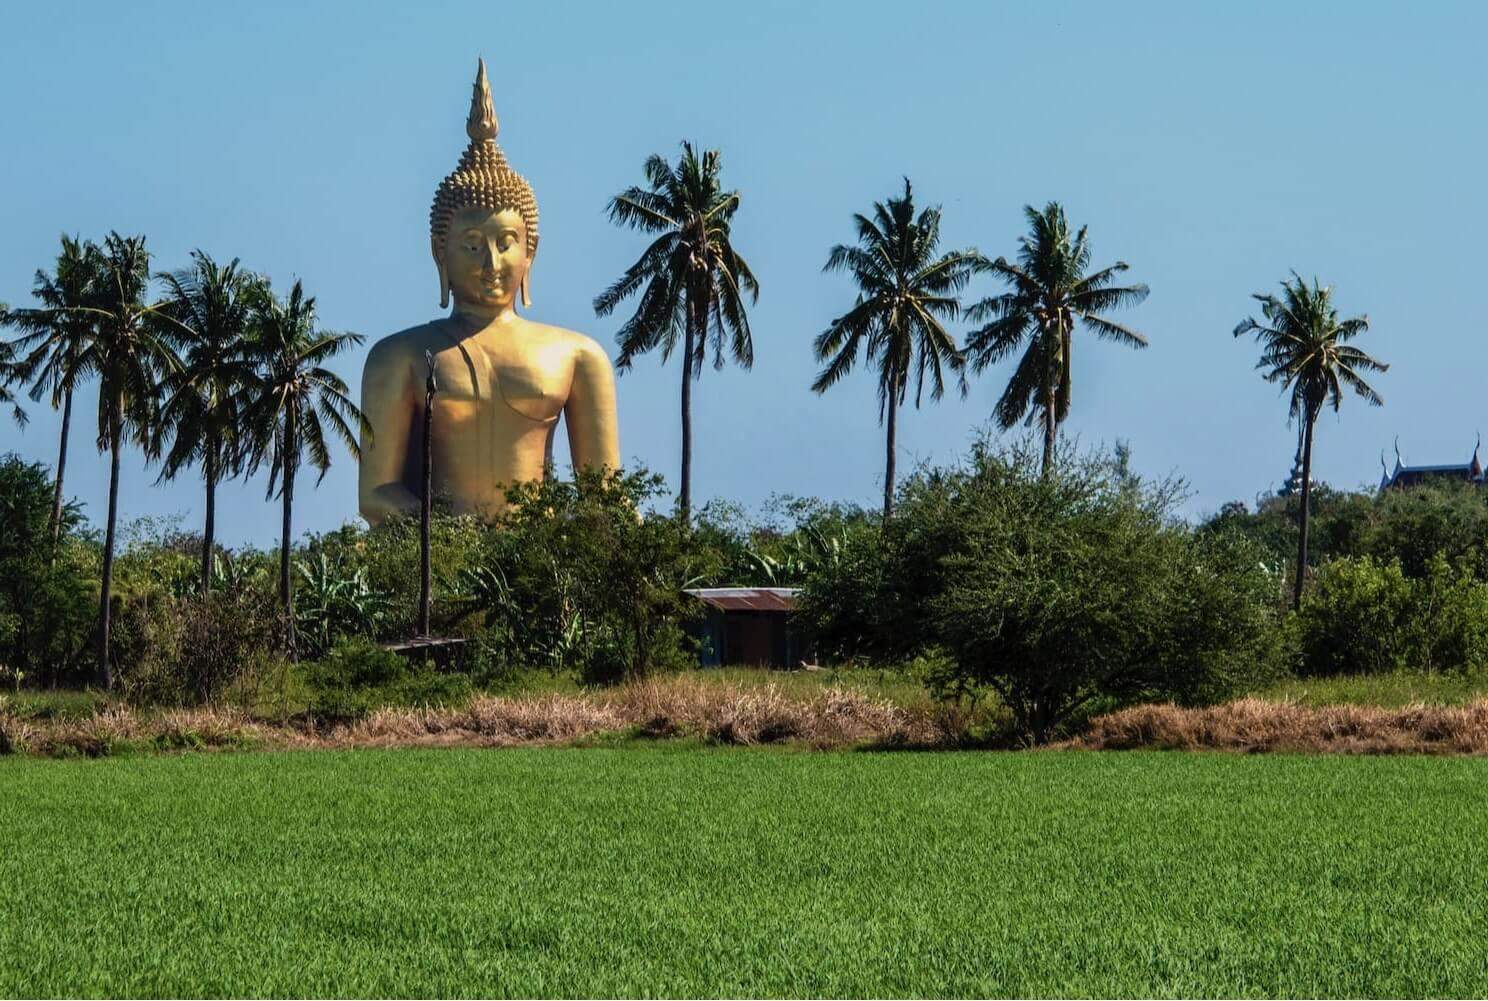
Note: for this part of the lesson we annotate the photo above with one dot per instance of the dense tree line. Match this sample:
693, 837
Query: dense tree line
1008, 568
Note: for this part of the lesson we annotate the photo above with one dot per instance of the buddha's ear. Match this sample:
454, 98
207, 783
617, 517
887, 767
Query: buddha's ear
444, 287
527, 285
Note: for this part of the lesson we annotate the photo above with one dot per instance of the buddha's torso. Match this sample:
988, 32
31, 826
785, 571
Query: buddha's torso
500, 393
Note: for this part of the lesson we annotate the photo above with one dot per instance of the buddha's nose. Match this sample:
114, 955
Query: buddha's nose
491, 254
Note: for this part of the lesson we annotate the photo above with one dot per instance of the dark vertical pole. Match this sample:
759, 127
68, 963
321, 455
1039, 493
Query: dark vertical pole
56, 525
105, 591
1310, 419
893, 404
209, 527
286, 593
684, 497
426, 502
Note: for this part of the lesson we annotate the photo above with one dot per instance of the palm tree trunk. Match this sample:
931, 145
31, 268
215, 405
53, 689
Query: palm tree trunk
1311, 419
286, 596
209, 528
889, 443
106, 587
56, 525
684, 497
1051, 430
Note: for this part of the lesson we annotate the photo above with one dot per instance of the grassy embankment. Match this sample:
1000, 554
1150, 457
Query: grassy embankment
747, 873
845, 708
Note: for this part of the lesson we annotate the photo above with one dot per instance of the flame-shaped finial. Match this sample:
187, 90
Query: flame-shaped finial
481, 123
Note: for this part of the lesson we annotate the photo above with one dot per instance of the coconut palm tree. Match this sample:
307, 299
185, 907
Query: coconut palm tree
201, 420
906, 293
52, 336
129, 351
1050, 290
9, 376
1304, 346
294, 406
695, 282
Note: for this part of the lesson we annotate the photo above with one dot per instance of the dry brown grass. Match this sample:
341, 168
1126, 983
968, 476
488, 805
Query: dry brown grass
678, 706
119, 728
1256, 725
745, 714
666, 707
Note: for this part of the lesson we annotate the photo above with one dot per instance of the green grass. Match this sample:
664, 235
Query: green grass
603, 872
894, 683
59, 704
1387, 690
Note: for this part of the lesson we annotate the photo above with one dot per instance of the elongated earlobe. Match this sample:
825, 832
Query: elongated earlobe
444, 287
526, 296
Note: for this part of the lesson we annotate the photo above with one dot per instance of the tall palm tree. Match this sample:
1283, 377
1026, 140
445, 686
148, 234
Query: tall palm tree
52, 337
1050, 291
10, 374
294, 405
905, 294
1304, 346
130, 353
695, 282
201, 420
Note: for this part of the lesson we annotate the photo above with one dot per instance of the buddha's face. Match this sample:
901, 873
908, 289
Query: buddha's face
485, 257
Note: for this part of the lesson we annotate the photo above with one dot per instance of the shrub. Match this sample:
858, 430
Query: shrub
1078, 589
577, 577
357, 677
47, 607
845, 603
193, 649
1363, 616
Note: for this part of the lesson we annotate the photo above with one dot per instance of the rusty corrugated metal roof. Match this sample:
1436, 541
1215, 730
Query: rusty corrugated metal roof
747, 599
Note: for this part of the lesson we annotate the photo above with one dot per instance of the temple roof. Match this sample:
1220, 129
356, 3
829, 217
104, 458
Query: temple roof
1407, 476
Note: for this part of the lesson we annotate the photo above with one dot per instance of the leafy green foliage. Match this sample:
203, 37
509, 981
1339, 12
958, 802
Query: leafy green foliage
46, 607
1059, 592
195, 648
1069, 589
1412, 525
579, 576
357, 676
334, 602
1362, 616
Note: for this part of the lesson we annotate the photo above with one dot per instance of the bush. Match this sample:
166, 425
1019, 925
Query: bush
357, 676
577, 577
47, 607
845, 603
194, 649
1364, 616
1076, 590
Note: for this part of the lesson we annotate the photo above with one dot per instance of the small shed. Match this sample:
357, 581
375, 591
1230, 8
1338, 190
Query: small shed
748, 626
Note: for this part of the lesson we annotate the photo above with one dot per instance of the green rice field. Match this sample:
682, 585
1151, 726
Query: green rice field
687, 871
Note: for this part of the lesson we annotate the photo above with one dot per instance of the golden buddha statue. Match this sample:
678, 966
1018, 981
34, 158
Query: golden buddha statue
503, 379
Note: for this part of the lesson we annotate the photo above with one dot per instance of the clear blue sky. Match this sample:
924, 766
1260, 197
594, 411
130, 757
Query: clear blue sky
1212, 146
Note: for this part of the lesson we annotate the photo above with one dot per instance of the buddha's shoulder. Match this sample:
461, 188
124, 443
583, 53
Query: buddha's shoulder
409, 344
580, 345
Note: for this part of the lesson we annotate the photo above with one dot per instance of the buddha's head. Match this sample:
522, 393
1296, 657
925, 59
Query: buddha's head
483, 224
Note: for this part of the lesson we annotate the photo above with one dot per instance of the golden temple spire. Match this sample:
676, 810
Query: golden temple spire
481, 123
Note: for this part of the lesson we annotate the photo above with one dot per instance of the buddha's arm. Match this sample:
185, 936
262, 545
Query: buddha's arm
387, 400
593, 427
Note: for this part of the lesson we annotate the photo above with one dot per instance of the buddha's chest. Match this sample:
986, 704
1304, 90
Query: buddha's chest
490, 380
